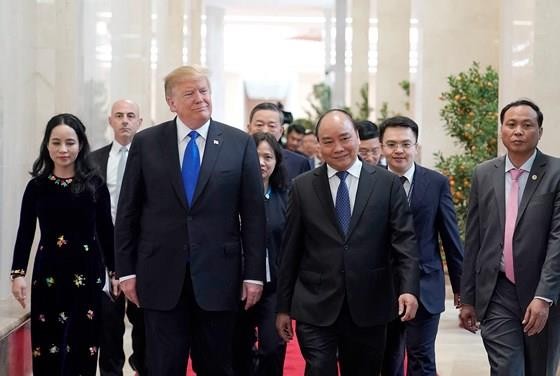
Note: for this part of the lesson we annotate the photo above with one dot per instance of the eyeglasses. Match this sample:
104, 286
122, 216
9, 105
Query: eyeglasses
369, 151
395, 145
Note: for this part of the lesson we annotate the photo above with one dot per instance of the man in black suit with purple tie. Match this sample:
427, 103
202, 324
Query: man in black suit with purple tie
190, 230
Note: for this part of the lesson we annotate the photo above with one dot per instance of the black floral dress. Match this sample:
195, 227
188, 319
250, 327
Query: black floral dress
68, 273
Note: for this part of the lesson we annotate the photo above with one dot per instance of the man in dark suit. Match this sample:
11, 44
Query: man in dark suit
511, 274
294, 137
267, 117
190, 230
349, 232
370, 147
430, 200
125, 121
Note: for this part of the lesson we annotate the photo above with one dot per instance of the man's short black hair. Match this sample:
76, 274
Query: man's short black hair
367, 130
522, 102
398, 122
298, 128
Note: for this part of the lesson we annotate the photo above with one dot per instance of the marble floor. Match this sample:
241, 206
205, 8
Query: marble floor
459, 353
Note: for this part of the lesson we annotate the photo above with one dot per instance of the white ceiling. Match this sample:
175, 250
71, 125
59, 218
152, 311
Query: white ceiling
271, 7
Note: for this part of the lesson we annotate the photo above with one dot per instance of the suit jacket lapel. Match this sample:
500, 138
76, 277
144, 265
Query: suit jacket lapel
499, 179
419, 186
366, 186
105, 161
535, 177
322, 188
211, 152
169, 151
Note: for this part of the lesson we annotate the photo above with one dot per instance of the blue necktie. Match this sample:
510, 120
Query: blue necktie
191, 166
342, 205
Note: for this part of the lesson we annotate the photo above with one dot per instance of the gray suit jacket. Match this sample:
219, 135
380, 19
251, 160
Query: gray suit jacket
536, 240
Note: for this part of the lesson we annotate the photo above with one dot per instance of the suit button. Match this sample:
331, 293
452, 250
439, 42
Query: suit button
189, 218
346, 247
342, 271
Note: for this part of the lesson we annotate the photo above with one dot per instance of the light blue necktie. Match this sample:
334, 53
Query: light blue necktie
191, 166
342, 204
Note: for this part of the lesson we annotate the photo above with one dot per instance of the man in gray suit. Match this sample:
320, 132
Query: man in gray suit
511, 272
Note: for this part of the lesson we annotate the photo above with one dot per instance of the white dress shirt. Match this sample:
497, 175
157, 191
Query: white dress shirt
183, 139
112, 167
351, 181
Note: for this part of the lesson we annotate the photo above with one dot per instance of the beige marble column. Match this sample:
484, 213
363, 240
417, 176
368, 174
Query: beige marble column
360, 50
452, 34
131, 34
59, 64
169, 39
529, 61
215, 58
339, 87
194, 31
393, 25
17, 119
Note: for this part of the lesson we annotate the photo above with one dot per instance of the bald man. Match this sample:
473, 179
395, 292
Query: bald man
125, 121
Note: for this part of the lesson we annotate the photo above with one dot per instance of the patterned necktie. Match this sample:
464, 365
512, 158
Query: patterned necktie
123, 155
511, 217
403, 179
342, 205
191, 166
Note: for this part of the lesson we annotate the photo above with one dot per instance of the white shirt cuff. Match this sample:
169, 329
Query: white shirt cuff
127, 277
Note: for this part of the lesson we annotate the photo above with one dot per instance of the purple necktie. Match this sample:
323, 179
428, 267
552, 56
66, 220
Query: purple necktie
511, 217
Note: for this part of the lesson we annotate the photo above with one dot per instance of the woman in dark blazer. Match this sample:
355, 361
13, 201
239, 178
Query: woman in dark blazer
268, 357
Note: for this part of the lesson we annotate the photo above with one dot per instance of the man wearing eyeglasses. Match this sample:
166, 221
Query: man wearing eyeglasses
430, 200
370, 148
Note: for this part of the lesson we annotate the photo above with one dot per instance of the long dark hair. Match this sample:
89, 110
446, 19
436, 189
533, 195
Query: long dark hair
83, 169
277, 180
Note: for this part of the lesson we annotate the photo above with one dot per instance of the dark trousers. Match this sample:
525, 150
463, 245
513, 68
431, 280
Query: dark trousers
111, 356
268, 358
510, 351
418, 337
172, 335
393, 360
360, 349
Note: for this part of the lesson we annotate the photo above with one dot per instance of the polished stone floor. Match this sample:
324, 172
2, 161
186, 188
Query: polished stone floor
459, 353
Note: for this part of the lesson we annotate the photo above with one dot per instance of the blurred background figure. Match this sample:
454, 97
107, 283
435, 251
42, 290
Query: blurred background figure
370, 147
294, 137
310, 147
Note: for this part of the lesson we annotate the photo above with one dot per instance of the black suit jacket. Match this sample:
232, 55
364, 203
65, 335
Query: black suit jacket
100, 158
320, 267
435, 219
158, 235
295, 164
275, 208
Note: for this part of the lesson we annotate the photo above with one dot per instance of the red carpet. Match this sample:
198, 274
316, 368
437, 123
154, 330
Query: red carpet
293, 365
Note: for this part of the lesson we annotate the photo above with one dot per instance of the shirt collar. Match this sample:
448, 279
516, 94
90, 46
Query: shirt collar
409, 174
525, 166
354, 170
183, 130
116, 147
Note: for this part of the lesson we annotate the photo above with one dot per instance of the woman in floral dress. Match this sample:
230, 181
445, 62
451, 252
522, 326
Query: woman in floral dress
73, 208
